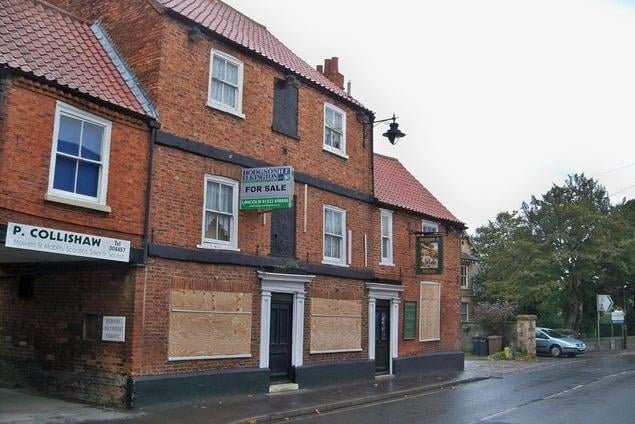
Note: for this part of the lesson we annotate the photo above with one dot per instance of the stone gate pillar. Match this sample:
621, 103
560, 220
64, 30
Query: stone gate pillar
526, 334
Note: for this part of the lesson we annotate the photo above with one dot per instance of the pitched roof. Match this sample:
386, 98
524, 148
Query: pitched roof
395, 186
233, 25
43, 41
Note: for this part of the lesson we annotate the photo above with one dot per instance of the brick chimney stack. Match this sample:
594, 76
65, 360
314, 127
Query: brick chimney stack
331, 71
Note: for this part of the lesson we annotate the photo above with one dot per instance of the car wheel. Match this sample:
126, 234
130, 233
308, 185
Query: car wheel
556, 351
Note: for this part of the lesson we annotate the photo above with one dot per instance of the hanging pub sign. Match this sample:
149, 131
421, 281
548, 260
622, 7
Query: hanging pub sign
429, 254
266, 188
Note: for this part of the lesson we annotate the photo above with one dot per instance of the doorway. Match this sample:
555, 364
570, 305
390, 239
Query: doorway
280, 337
382, 337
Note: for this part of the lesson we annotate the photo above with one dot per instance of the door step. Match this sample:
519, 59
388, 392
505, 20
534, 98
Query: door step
285, 387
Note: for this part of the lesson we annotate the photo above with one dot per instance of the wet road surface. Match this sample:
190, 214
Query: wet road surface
598, 390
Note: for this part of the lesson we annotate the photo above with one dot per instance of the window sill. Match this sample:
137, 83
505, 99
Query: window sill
210, 246
319, 352
336, 152
226, 109
430, 340
76, 202
295, 137
198, 358
386, 264
340, 264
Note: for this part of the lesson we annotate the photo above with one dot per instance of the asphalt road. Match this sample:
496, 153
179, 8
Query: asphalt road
598, 390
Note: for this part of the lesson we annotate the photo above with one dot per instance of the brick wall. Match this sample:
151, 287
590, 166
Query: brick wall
41, 338
175, 71
404, 253
177, 209
26, 144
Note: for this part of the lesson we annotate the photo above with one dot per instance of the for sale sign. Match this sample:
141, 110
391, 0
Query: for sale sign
266, 188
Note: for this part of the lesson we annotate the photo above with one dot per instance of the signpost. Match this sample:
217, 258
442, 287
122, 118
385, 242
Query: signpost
617, 317
266, 188
604, 303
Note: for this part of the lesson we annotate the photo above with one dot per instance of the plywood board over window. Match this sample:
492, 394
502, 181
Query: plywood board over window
430, 312
336, 325
209, 324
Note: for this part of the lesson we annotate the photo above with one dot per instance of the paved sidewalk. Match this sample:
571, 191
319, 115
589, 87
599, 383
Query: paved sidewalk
21, 406
264, 408
18, 406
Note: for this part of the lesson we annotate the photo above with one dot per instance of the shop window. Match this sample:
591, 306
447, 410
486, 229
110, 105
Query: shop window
220, 213
334, 130
91, 327
386, 237
225, 83
79, 160
285, 108
334, 239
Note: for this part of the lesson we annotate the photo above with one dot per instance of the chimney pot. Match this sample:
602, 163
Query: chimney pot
320, 69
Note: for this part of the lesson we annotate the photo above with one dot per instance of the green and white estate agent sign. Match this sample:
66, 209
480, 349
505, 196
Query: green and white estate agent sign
266, 188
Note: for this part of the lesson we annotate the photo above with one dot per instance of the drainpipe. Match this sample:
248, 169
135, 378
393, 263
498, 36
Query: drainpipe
154, 125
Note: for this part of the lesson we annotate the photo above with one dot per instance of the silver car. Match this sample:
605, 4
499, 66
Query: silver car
556, 344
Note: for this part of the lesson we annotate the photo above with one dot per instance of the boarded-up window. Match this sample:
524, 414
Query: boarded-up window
285, 108
336, 325
207, 324
430, 312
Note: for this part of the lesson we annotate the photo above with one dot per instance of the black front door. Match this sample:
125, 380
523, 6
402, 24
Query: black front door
382, 336
280, 337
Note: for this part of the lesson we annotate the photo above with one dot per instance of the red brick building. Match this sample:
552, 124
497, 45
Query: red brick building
74, 148
228, 299
410, 215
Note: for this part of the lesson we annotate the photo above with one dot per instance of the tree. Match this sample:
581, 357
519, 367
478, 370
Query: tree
570, 223
557, 252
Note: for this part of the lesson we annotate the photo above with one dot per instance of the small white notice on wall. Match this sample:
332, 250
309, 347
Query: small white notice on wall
114, 329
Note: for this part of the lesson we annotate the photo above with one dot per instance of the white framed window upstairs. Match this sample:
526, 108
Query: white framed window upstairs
335, 130
465, 277
334, 239
429, 226
80, 154
220, 213
225, 83
386, 238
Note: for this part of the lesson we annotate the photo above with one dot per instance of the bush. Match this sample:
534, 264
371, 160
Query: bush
492, 316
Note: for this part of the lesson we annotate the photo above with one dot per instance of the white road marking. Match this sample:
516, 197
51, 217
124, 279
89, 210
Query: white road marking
489, 417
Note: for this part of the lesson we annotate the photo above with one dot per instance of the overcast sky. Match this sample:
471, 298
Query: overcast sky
499, 98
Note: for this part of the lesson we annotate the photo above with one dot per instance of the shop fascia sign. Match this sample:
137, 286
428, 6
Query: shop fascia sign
266, 188
42, 239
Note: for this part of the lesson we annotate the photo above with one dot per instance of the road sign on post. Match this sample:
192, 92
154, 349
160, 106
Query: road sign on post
617, 317
605, 303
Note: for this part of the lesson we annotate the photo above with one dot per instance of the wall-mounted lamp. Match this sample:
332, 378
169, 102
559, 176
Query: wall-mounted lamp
393, 134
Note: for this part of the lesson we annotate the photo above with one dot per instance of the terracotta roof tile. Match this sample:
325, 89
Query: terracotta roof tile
233, 25
39, 39
395, 186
